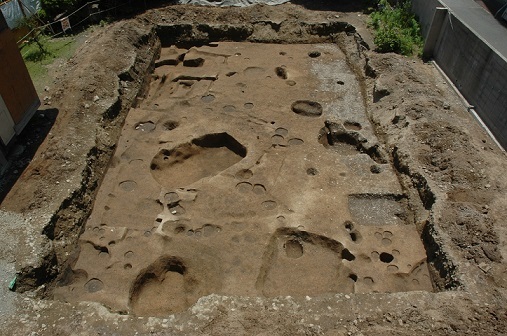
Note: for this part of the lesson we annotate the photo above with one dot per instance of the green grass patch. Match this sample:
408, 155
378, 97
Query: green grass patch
396, 29
39, 56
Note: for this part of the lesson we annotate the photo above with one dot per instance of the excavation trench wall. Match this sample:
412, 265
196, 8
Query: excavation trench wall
263, 32
58, 244
104, 94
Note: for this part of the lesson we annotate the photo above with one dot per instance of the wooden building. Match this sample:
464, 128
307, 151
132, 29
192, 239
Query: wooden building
18, 98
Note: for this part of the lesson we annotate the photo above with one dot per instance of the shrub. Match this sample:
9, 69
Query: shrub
51, 8
396, 28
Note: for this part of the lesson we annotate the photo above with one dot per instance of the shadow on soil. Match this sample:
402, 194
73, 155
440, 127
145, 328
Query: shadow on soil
24, 147
333, 5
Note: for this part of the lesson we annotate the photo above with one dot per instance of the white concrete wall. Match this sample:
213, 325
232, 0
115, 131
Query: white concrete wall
425, 9
477, 70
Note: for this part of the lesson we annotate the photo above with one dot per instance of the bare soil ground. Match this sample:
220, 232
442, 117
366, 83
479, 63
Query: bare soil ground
254, 171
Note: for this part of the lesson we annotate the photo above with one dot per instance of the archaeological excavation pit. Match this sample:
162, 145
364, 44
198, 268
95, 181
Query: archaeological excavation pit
251, 170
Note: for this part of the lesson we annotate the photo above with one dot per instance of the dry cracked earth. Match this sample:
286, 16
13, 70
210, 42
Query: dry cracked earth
261, 170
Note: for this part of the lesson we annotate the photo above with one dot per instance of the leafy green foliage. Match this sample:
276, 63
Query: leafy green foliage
396, 28
51, 8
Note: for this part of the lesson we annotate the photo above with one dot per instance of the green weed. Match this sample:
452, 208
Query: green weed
396, 28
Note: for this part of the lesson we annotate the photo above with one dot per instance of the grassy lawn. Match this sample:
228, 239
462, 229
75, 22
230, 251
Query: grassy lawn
38, 60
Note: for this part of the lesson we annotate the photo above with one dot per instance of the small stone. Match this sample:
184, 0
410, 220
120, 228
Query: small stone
446, 106
96, 98
398, 118
86, 106
484, 267
380, 90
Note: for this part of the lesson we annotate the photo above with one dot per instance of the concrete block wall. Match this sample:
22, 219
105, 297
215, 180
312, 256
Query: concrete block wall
425, 9
478, 71
475, 68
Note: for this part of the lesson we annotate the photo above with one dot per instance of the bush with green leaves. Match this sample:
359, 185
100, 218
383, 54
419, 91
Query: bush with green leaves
396, 28
51, 8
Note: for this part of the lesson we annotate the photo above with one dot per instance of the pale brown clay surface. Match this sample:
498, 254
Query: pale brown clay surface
176, 218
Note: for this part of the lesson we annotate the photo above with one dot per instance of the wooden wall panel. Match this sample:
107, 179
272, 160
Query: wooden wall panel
16, 86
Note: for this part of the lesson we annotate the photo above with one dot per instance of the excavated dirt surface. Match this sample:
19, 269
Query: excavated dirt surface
229, 191
255, 171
